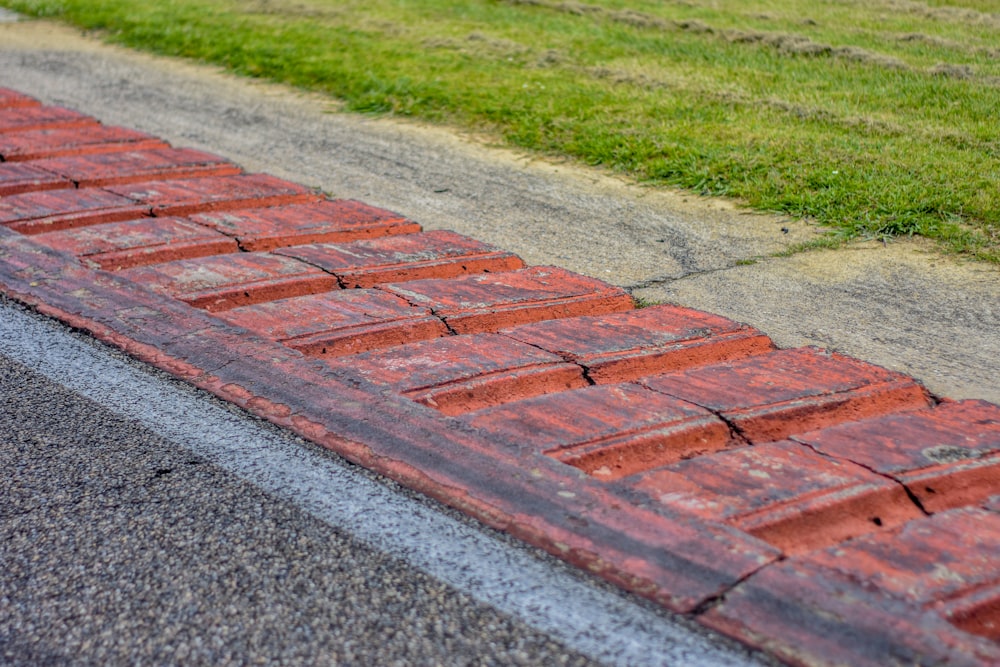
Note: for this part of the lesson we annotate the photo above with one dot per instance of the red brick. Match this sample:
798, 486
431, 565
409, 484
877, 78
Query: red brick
947, 564
227, 281
130, 166
771, 396
40, 144
18, 178
887, 594
807, 615
331, 221
608, 431
214, 193
437, 254
338, 323
488, 302
977, 613
38, 212
783, 493
947, 457
25, 118
121, 245
625, 346
11, 98
459, 374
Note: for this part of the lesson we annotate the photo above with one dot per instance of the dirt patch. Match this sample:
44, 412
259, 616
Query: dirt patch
952, 14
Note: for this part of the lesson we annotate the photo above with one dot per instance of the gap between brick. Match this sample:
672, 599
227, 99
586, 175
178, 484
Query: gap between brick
906, 489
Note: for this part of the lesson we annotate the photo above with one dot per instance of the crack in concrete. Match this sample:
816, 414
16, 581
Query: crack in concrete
665, 280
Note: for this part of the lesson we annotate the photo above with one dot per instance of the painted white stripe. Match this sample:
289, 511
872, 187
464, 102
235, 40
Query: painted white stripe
547, 596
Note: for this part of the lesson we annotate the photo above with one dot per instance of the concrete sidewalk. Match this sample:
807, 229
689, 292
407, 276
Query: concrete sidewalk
903, 306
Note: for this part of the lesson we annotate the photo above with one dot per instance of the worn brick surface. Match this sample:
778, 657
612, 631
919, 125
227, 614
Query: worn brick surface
484, 303
42, 144
783, 493
676, 561
38, 212
121, 245
338, 323
329, 221
625, 346
649, 491
131, 166
25, 118
608, 431
771, 396
807, 616
214, 193
459, 374
436, 254
930, 561
893, 595
12, 98
227, 281
947, 457
17, 178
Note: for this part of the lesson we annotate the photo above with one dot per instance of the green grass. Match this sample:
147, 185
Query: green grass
876, 118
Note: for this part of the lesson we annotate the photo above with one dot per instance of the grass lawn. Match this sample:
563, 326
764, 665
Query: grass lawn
873, 117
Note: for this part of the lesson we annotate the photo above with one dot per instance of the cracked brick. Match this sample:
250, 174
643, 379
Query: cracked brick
328, 221
772, 396
947, 456
459, 374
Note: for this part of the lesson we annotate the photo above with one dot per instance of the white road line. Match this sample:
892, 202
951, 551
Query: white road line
550, 598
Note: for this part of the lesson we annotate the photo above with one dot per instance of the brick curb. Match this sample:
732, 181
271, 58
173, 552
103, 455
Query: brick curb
676, 453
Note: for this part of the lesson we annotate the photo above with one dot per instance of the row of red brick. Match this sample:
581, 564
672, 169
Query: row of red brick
847, 468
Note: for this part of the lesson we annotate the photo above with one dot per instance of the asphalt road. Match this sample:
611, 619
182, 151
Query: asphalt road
120, 548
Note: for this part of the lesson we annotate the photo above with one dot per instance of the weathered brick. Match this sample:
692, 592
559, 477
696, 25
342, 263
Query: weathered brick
214, 193
890, 594
121, 245
946, 563
783, 493
41, 144
227, 281
935, 603
17, 178
948, 456
771, 396
55, 210
328, 221
629, 345
608, 431
977, 612
339, 323
11, 98
459, 374
26, 118
436, 254
488, 302
130, 166
809, 615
